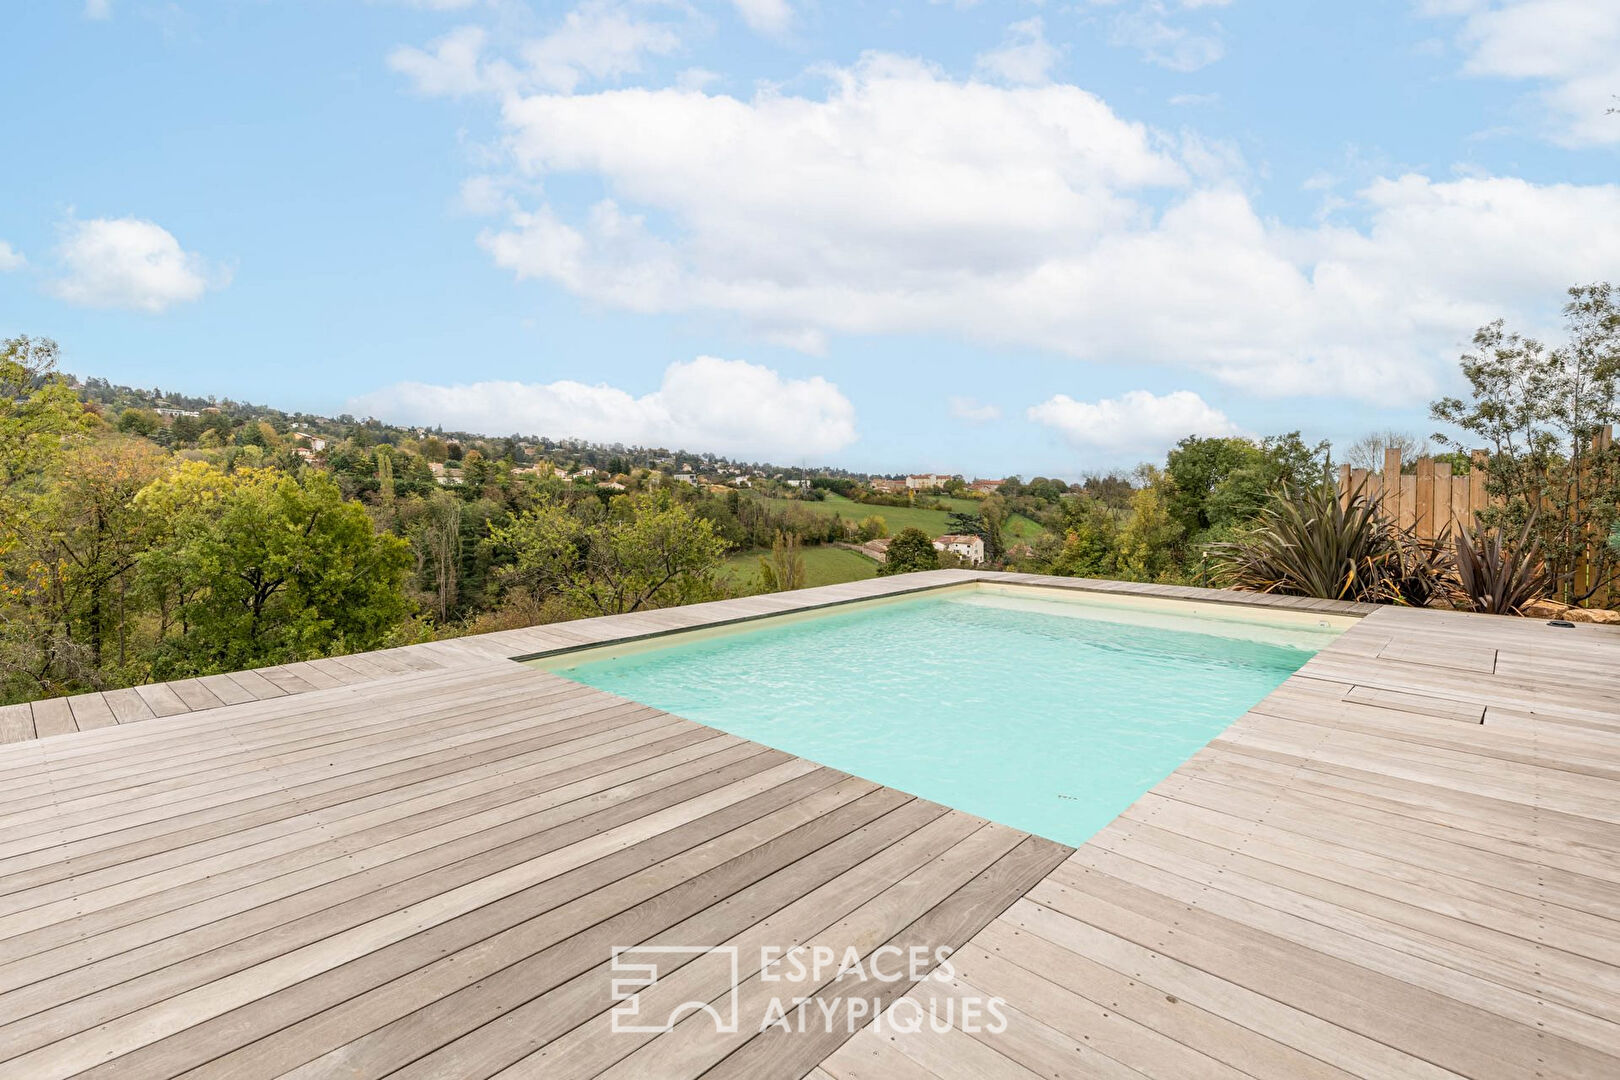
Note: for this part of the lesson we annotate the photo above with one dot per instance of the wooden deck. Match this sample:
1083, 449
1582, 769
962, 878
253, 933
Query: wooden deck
1405, 862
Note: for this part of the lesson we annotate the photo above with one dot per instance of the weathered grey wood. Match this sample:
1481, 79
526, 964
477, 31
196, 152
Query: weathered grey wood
16, 722
91, 711
53, 716
127, 706
414, 862
225, 689
162, 700
256, 684
1419, 704
196, 695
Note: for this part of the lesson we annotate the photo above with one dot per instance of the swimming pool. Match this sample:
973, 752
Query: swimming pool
1044, 710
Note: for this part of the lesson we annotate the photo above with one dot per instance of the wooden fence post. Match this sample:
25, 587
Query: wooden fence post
1478, 476
1423, 504
1441, 517
1392, 483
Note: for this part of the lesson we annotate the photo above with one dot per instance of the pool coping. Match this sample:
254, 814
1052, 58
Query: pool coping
51, 717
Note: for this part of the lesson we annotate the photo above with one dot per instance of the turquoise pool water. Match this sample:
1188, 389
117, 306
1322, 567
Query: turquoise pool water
1050, 715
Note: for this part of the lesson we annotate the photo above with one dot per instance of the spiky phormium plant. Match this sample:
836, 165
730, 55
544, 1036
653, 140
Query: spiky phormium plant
1310, 542
1496, 576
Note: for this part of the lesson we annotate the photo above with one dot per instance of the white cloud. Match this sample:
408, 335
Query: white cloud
974, 411
1137, 421
10, 258
600, 40
1154, 31
904, 201
453, 67
129, 263
770, 17
1570, 47
725, 406
98, 9
1024, 56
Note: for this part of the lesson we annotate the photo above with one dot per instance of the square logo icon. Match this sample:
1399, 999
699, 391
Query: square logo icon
638, 968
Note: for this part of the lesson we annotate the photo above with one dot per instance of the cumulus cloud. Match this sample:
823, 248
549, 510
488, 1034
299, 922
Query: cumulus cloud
10, 258
974, 411
600, 40
450, 67
129, 263
901, 200
1137, 421
1570, 47
1024, 56
729, 407
770, 17
1163, 36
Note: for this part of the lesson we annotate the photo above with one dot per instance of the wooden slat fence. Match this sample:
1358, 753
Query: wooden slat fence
1430, 499
1427, 500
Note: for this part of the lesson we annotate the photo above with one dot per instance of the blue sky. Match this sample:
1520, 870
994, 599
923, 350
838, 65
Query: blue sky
978, 237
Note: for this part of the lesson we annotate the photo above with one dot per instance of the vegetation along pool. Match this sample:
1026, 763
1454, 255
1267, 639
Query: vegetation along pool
1045, 711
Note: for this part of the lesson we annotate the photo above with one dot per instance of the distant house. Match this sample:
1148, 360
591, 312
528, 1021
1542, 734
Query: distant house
885, 486
610, 485
797, 483
167, 410
686, 478
316, 443
986, 487
966, 545
585, 470
927, 481
442, 475
742, 481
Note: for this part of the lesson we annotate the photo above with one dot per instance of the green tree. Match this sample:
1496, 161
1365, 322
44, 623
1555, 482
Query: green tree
268, 568
139, 422
1221, 483
1149, 538
38, 411
911, 550
434, 532
1090, 541
1540, 411
872, 528
645, 550
68, 620
385, 485
784, 570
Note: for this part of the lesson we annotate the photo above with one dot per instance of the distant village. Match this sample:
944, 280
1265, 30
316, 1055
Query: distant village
451, 456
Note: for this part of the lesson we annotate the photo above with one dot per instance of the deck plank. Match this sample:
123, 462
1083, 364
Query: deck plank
91, 711
53, 716
16, 723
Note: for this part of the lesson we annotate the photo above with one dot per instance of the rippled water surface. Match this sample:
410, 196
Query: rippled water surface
1048, 715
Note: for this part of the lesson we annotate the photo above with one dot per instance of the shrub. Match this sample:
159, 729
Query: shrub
910, 550
1495, 577
1309, 542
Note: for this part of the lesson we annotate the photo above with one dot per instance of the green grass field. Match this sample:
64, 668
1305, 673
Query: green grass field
823, 565
932, 522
